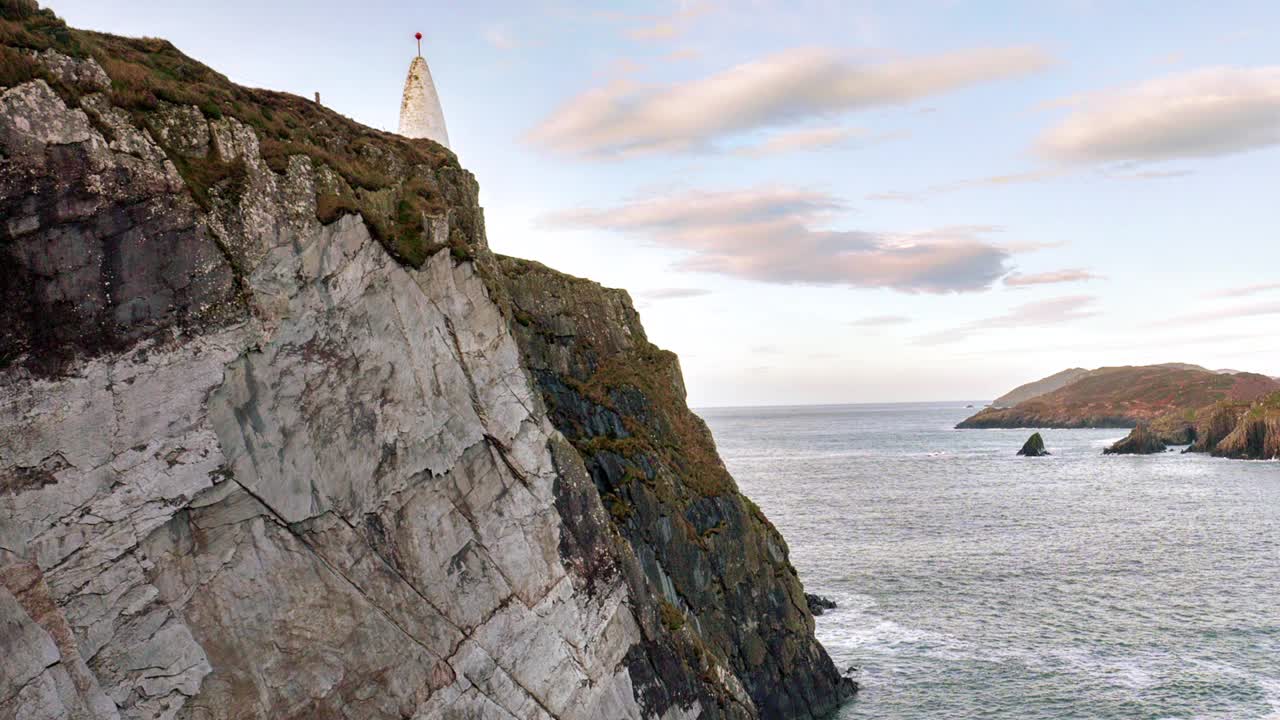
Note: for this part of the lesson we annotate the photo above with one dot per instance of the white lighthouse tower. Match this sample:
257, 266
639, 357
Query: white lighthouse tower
420, 113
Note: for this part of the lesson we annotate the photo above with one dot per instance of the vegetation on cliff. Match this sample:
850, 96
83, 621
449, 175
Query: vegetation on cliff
392, 182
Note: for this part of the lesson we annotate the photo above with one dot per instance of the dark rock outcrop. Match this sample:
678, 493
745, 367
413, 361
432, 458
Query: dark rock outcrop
1215, 423
1256, 435
280, 437
1142, 440
818, 604
1034, 447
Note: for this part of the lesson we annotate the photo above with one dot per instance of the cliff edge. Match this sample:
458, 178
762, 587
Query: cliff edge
284, 439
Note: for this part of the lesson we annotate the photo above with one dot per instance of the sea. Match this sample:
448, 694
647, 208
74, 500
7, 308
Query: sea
972, 583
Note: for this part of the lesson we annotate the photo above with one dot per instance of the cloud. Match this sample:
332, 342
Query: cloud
1053, 311
1031, 176
1245, 291
1049, 278
622, 67
668, 27
1151, 174
682, 55
674, 293
1239, 311
625, 118
880, 321
776, 236
1097, 345
805, 139
500, 38
1207, 112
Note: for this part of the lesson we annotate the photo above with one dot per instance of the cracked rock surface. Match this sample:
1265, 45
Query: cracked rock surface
252, 466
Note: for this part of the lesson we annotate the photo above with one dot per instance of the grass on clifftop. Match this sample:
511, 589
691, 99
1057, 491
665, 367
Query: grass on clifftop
376, 168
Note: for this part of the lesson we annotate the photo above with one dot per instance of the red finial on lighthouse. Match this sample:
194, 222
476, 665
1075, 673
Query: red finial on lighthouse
418, 37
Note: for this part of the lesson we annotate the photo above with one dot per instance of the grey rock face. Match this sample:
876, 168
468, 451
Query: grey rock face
339, 499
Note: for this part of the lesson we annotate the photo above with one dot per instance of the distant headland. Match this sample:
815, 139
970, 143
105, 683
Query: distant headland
1227, 413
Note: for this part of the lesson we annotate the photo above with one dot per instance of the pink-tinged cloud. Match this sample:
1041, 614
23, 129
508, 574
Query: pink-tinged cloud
778, 236
1049, 278
804, 140
1054, 311
674, 293
880, 321
625, 118
1246, 290
1225, 314
1213, 111
1032, 176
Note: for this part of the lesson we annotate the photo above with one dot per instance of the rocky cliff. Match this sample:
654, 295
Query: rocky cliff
284, 439
1256, 435
1213, 423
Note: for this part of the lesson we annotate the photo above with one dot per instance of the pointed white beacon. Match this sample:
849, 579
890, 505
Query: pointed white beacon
420, 113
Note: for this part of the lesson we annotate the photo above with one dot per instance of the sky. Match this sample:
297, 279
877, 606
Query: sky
828, 201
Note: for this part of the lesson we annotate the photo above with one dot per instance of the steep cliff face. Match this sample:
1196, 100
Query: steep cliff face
1214, 423
1256, 435
265, 457
708, 554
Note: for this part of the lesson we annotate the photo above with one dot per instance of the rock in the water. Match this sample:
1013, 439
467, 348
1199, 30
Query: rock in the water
1142, 440
1033, 447
818, 604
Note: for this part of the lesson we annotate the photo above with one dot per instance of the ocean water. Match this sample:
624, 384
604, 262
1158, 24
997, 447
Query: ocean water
976, 584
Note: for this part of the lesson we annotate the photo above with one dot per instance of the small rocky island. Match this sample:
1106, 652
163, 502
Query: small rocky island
1033, 447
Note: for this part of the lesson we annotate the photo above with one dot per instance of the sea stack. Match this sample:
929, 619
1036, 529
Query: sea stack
1034, 447
420, 113
1140, 441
